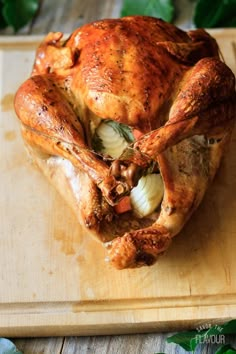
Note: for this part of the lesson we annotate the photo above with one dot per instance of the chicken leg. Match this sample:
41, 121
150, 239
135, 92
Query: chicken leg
49, 123
187, 162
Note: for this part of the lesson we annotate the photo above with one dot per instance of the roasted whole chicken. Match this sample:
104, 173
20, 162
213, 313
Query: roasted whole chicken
129, 118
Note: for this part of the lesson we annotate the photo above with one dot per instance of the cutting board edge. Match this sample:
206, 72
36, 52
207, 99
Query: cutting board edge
109, 305
114, 323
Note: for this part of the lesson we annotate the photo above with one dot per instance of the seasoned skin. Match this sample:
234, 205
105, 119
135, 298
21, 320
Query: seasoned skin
145, 73
49, 122
205, 105
127, 65
187, 170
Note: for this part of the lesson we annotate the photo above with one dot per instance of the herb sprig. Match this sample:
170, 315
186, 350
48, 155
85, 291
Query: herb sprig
122, 129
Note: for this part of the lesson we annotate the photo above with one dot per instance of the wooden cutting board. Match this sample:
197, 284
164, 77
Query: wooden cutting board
53, 278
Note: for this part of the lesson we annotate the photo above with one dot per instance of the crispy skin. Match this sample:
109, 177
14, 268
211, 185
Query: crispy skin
187, 169
127, 66
49, 122
143, 72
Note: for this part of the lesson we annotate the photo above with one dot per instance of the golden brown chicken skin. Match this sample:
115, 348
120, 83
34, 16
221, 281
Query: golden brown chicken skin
151, 76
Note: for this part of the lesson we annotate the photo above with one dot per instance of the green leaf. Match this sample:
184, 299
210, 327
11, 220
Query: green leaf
215, 13
17, 13
7, 347
226, 349
183, 339
230, 23
122, 129
157, 8
190, 340
229, 327
3, 23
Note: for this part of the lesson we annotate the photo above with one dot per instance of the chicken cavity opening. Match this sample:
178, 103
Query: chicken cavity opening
110, 139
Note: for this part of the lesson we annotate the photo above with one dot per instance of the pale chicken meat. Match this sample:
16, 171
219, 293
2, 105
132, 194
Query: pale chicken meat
146, 75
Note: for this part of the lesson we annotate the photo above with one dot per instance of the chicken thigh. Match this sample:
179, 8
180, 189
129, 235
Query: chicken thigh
150, 76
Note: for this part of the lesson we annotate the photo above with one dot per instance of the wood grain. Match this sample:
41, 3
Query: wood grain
58, 284
69, 15
65, 18
40, 345
130, 344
